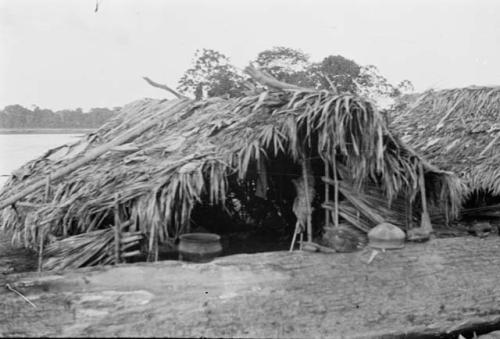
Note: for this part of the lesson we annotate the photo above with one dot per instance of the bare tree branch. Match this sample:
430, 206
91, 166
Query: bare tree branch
165, 87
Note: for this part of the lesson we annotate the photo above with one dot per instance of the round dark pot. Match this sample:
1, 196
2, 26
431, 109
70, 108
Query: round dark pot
199, 247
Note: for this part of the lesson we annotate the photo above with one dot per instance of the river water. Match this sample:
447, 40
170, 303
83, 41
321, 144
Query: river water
17, 149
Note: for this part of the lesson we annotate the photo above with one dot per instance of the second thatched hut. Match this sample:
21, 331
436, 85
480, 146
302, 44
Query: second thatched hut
459, 131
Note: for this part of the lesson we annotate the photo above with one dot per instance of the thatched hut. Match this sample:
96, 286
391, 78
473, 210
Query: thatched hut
459, 130
160, 167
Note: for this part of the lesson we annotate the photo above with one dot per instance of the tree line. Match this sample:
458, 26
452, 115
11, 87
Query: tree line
212, 75
17, 116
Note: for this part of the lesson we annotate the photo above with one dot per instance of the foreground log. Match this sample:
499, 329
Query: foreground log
446, 285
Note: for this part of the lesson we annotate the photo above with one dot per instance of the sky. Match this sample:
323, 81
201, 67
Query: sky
62, 54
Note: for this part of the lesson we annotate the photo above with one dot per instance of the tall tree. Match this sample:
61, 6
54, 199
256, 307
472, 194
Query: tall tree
338, 71
211, 75
293, 66
373, 85
17, 116
405, 87
286, 64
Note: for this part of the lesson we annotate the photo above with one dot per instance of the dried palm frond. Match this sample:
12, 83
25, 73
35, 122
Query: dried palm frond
88, 249
489, 211
84, 249
368, 208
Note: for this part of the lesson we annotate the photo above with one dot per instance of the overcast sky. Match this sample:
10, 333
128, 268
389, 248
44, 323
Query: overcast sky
61, 54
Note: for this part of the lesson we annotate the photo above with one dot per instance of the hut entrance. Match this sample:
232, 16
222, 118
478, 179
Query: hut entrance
271, 208
481, 209
257, 215
256, 219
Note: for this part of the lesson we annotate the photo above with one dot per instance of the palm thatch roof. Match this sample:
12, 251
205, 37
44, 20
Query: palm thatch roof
195, 151
457, 130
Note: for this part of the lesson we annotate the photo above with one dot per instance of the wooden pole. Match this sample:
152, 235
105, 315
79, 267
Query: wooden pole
308, 200
327, 194
446, 214
294, 238
176, 106
40, 253
117, 231
40, 231
425, 222
410, 213
407, 210
336, 189
156, 245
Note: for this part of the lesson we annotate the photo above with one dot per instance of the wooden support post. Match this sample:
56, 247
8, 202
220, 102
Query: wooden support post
446, 213
425, 222
327, 194
308, 199
151, 240
156, 248
41, 234
302, 208
294, 238
117, 231
336, 189
407, 210
40, 252
410, 214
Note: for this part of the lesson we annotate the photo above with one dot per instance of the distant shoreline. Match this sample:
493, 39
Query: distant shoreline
45, 130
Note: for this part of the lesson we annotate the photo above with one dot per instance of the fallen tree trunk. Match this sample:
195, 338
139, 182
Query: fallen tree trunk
446, 285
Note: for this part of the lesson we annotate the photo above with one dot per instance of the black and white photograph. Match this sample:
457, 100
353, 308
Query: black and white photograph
250, 169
